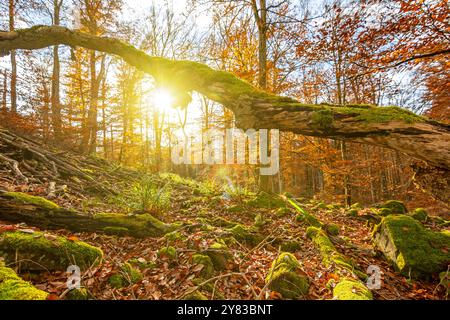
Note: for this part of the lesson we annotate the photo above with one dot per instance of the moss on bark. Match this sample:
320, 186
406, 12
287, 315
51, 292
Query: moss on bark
40, 251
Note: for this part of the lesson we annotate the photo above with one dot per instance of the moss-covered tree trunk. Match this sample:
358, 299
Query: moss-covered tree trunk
390, 127
38, 212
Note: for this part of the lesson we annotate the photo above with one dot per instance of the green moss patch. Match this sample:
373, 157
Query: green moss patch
414, 250
78, 294
419, 214
304, 217
330, 255
116, 231
208, 266
126, 276
39, 251
287, 277
144, 225
168, 252
196, 295
282, 212
348, 289
322, 119
291, 246
332, 229
396, 207
12, 287
219, 254
28, 199
245, 235
267, 201
352, 212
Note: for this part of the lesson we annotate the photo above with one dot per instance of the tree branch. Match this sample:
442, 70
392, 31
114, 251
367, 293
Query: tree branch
390, 127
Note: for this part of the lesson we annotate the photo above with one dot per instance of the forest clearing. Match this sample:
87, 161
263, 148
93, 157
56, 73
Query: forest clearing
224, 150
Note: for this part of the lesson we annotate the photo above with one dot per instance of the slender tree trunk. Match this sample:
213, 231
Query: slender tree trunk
262, 44
5, 92
45, 112
91, 114
13, 60
56, 106
347, 189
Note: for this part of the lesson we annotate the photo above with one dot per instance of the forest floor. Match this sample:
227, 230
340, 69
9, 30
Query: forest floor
204, 212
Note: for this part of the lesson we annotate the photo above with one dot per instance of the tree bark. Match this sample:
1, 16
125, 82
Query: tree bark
389, 127
5, 92
56, 106
13, 60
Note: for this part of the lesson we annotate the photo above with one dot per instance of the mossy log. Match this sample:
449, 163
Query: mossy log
12, 287
19, 207
37, 251
390, 127
330, 255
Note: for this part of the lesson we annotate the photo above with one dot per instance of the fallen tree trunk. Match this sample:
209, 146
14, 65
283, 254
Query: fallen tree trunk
389, 127
37, 212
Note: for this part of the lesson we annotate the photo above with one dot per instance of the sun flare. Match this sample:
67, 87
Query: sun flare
162, 99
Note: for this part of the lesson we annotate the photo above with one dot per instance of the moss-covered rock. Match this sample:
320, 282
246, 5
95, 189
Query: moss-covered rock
219, 254
126, 276
396, 207
245, 235
12, 287
206, 262
168, 252
260, 221
78, 294
40, 251
419, 214
29, 199
414, 250
349, 289
196, 295
287, 277
266, 200
384, 212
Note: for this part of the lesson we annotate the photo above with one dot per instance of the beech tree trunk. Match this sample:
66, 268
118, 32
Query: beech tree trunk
13, 59
56, 105
389, 127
